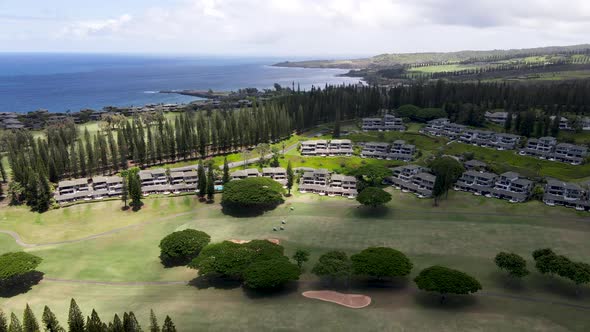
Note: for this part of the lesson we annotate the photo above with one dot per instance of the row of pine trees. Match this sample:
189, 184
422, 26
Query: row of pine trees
77, 323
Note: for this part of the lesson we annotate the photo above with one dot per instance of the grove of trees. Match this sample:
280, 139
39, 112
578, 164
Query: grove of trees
179, 248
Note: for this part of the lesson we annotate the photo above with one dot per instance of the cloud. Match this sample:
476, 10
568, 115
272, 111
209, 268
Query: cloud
82, 29
339, 27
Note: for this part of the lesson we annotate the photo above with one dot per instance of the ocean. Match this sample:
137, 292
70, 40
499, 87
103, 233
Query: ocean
70, 82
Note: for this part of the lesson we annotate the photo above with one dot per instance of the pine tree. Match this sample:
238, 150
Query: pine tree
202, 180
14, 324
3, 322
168, 325
3, 171
30, 323
225, 171
210, 184
117, 325
290, 177
75, 318
93, 323
154, 327
130, 323
43, 198
124, 188
134, 187
508, 123
50, 322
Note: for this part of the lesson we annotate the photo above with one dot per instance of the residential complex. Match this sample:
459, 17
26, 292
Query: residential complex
9, 120
398, 150
323, 182
512, 187
548, 148
413, 178
157, 181
278, 174
497, 117
335, 147
485, 138
388, 123
566, 194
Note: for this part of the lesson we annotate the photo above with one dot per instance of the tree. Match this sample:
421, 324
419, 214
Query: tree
373, 173
168, 325
3, 172
333, 264
134, 184
117, 325
225, 179
210, 184
252, 194
202, 180
381, 262
75, 318
262, 150
3, 322
290, 177
270, 273
15, 325
447, 171
446, 281
50, 322
93, 323
373, 197
512, 263
154, 327
179, 248
301, 256
124, 187
30, 323
15, 267
130, 323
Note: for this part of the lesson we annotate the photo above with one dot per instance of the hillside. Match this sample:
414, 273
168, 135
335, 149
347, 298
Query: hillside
392, 59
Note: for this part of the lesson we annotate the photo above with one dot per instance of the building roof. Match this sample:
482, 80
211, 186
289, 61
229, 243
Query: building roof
510, 175
274, 170
475, 163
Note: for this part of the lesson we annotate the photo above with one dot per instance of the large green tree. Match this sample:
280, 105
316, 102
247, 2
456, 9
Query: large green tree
381, 262
17, 270
290, 177
75, 318
446, 281
373, 174
252, 194
512, 263
50, 322
447, 171
373, 197
271, 273
30, 323
333, 264
179, 248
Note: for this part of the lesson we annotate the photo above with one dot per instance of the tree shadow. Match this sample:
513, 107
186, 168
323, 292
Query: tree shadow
284, 290
168, 262
125, 208
560, 286
20, 284
246, 212
216, 282
136, 207
451, 302
371, 212
509, 283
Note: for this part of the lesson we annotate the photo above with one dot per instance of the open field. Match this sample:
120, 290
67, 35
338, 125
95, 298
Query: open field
465, 232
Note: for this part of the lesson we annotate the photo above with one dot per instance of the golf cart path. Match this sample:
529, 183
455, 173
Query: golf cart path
411, 289
22, 243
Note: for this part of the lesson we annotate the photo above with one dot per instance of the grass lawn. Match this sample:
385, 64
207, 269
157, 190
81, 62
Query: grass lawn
465, 232
442, 68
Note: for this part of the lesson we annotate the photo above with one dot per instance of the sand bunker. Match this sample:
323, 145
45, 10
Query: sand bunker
355, 301
275, 241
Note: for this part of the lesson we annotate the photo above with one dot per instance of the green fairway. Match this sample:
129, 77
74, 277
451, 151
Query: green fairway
464, 232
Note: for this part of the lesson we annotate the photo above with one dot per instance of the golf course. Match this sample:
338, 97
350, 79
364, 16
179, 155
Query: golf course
107, 259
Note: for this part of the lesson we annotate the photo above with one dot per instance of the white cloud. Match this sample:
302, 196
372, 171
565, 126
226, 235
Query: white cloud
314, 27
96, 27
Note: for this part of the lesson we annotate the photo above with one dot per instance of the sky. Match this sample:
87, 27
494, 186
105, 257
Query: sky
297, 28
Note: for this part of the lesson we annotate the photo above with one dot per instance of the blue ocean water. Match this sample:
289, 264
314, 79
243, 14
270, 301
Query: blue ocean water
62, 82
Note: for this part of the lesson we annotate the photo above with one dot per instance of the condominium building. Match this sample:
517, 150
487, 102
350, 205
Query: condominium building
244, 174
539, 147
414, 179
398, 150
513, 187
335, 147
477, 182
278, 174
497, 117
570, 153
323, 182
388, 123
566, 194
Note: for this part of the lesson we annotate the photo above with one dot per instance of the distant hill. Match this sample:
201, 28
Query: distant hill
393, 59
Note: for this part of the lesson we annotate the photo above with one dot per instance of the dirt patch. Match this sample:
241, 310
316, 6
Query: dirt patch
355, 301
275, 241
